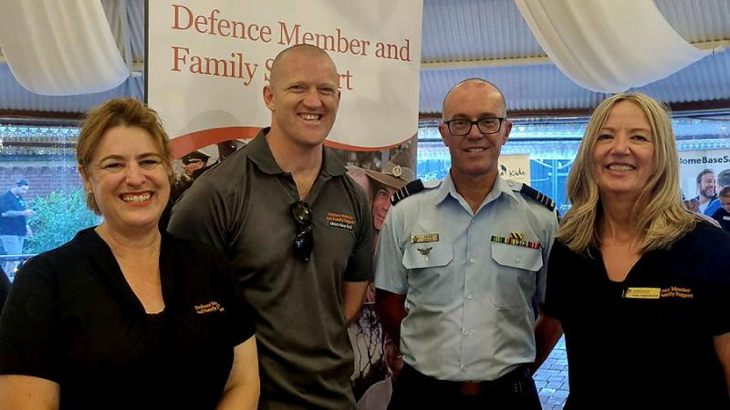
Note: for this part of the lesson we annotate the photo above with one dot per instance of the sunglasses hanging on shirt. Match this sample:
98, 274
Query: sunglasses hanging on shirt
304, 240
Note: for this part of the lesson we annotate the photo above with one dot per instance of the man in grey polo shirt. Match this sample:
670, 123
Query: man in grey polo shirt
298, 231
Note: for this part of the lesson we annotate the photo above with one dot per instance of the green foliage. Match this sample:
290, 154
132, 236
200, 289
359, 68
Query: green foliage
58, 217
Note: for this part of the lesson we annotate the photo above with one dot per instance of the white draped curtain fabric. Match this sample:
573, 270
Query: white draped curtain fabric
608, 46
61, 47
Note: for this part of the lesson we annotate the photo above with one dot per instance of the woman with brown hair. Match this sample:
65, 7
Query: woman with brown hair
639, 283
125, 316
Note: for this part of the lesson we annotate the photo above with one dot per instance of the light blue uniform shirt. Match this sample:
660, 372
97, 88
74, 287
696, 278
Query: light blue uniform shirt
472, 300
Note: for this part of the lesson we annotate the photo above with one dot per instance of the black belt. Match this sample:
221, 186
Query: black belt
510, 382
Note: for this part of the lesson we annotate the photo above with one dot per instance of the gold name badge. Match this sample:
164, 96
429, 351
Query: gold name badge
642, 293
424, 237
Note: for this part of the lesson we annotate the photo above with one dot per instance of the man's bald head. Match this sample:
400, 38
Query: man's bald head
298, 50
475, 84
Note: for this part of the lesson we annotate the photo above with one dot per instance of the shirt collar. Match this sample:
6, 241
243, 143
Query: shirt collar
500, 187
260, 153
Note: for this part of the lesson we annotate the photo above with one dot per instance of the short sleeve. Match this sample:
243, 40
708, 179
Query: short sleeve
390, 274
4, 207
555, 288
360, 262
202, 214
29, 323
551, 226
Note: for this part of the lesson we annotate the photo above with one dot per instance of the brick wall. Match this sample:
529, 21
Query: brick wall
44, 178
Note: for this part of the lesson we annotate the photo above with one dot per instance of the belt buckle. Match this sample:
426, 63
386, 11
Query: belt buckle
471, 388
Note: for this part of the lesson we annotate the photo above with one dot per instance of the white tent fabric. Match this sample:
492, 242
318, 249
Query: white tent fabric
608, 45
60, 47
116, 14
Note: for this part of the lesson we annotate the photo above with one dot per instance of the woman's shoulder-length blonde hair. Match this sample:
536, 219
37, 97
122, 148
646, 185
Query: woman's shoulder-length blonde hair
659, 217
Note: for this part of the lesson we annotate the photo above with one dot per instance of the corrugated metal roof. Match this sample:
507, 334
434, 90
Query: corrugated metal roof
14, 96
135, 15
459, 30
490, 32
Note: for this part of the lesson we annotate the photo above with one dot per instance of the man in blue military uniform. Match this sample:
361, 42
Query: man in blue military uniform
461, 270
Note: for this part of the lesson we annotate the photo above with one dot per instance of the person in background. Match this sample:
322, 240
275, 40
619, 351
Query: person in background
639, 283
722, 214
469, 256
395, 175
14, 214
125, 316
706, 188
299, 233
723, 181
369, 343
194, 164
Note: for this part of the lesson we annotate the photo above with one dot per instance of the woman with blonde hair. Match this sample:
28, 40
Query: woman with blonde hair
125, 316
639, 283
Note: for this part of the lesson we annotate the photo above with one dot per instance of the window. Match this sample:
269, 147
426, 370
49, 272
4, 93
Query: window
45, 157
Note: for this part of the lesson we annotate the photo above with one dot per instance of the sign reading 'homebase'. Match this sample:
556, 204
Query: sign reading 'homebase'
209, 61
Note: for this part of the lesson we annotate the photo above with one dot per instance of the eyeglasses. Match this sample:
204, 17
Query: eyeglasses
486, 125
304, 241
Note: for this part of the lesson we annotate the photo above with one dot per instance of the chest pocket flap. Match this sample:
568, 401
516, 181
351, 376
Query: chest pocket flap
427, 255
517, 256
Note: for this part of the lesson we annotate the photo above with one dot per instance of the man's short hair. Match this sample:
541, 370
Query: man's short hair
725, 192
723, 178
22, 182
703, 173
472, 80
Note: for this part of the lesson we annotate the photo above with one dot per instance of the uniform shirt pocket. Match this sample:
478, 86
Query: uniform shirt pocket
430, 280
514, 282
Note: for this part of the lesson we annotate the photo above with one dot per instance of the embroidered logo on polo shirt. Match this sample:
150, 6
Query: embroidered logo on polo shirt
340, 220
677, 292
209, 308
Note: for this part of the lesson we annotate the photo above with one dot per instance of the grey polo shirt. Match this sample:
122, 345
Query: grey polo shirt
242, 207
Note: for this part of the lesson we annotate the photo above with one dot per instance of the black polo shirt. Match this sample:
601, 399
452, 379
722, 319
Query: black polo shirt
723, 218
12, 225
242, 206
72, 318
646, 342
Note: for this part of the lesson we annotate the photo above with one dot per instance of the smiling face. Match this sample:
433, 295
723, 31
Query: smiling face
707, 186
474, 154
128, 179
623, 154
303, 97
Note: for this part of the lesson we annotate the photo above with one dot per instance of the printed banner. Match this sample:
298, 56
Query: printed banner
209, 61
693, 165
515, 167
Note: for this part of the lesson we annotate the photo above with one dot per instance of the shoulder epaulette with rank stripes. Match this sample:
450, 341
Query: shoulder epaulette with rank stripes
410, 189
538, 196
